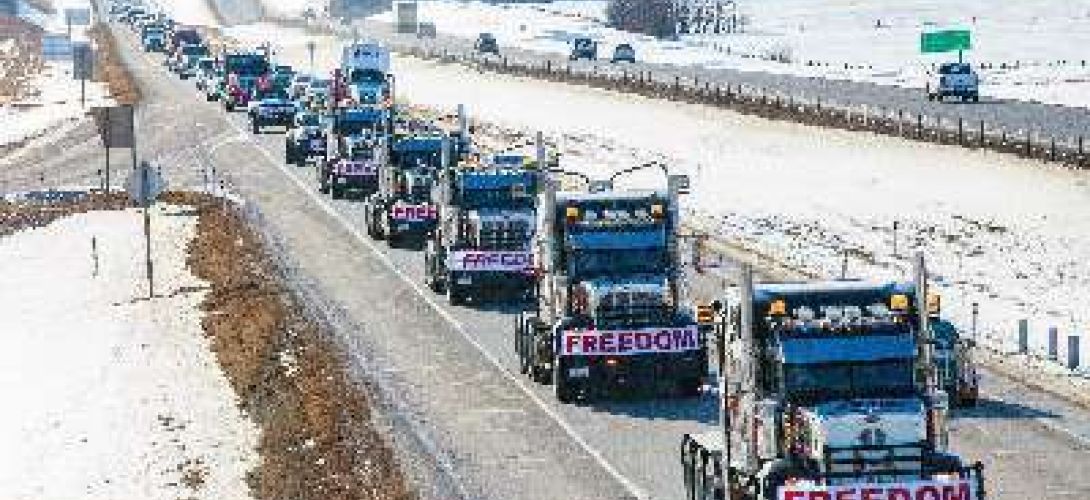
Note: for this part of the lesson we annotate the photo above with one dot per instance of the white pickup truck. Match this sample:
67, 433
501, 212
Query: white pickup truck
955, 80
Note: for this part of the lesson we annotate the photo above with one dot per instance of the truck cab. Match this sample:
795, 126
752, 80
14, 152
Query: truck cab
955, 80
481, 247
305, 139
242, 73
364, 75
153, 37
402, 212
610, 315
826, 392
583, 48
353, 139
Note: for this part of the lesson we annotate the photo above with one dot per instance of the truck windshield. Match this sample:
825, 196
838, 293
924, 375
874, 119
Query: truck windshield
815, 383
195, 50
591, 263
411, 159
367, 76
247, 65
505, 198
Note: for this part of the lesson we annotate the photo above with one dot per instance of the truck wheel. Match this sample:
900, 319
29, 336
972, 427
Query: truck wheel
255, 126
976, 97
335, 192
228, 106
455, 294
690, 388
561, 385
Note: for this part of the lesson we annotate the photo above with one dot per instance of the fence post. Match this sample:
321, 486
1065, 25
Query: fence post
1052, 149
677, 85
919, 126
982, 144
1023, 336
1073, 352
961, 131
1053, 343
1080, 147
1029, 143
901, 122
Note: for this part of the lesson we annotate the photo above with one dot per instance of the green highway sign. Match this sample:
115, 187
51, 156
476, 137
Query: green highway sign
945, 41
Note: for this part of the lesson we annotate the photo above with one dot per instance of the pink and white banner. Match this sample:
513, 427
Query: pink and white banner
629, 342
403, 212
470, 260
954, 489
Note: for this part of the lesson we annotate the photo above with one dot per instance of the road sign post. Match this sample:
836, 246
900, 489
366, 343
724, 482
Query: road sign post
144, 185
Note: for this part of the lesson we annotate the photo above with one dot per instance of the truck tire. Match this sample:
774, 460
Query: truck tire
456, 295
228, 105
335, 192
256, 126
565, 393
289, 158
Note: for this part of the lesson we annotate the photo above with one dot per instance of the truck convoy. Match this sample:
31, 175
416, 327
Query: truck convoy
611, 313
828, 391
153, 37
481, 246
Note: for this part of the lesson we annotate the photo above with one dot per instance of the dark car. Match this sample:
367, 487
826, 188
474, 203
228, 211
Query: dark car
486, 44
623, 53
583, 48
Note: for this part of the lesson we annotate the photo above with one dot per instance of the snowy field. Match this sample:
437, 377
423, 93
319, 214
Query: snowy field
108, 395
54, 100
1046, 39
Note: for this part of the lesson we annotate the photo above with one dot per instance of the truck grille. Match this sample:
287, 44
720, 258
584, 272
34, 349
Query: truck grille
874, 463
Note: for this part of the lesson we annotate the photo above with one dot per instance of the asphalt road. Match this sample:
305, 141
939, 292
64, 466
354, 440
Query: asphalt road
451, 371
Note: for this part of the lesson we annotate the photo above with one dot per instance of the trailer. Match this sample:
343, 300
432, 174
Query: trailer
610, 316
827, 391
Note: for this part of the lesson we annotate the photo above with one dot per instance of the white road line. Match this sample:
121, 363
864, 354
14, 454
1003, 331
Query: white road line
324, 204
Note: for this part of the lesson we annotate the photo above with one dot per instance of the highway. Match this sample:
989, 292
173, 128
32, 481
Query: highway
447, 376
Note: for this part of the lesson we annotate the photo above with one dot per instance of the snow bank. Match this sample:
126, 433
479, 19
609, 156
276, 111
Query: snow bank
1043, 43
108, 395
193, 12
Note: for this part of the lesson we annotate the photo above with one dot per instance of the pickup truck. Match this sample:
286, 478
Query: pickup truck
955, 80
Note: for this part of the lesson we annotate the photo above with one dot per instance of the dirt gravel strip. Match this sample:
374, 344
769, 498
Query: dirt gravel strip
318, 438
110, 69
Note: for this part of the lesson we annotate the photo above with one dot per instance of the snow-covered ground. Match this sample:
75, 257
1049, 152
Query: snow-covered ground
55, 95
108, 395
191, 12
1045, 39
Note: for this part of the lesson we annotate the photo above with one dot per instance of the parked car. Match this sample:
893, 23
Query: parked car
623, 53
955, 80
486, 44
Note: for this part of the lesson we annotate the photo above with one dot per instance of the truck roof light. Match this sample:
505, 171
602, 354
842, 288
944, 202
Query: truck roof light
934, 303
898, 302
778, 307
571, 214
704, 314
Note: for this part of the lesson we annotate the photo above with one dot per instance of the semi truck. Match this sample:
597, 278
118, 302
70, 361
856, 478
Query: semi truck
354, 140
401, 211
828, 391
481, 247
611, 314
364, 78
242, 73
